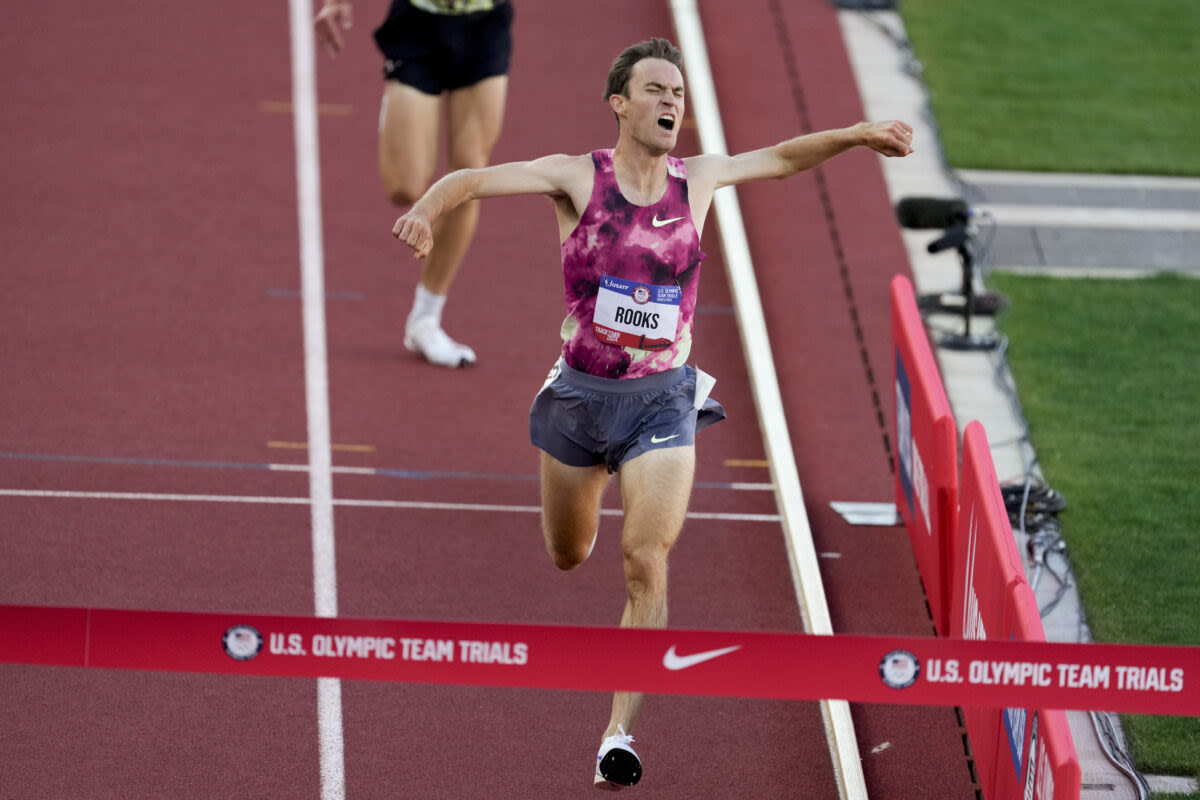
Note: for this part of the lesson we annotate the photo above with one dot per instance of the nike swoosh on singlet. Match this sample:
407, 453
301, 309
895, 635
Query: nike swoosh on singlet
658, 223
655, 440
673, 661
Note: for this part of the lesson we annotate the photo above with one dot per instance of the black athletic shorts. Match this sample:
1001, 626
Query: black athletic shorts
441, 52
583, 420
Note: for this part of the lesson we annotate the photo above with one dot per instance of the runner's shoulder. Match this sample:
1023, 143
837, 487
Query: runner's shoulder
705, 168
570, 173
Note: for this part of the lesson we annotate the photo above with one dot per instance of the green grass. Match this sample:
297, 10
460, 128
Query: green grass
1071, 86
1108, 373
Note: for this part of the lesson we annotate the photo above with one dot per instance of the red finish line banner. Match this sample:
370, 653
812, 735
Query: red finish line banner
869, 669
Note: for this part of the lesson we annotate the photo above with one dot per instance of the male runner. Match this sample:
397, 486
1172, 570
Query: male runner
621, 397
461, 48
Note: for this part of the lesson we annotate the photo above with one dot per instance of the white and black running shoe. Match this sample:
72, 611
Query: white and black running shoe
617, 765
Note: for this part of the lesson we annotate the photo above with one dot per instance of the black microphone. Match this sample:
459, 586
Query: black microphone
954, 237
931, 212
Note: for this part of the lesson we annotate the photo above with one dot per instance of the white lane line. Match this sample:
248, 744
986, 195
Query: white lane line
752, 487
316, 378
806, 570
316, 383
408, 474
338, 470
418, 505
373, 471
160, 496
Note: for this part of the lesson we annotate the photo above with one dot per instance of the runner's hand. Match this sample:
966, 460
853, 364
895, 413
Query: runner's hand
414, 230
891, 138
331, 20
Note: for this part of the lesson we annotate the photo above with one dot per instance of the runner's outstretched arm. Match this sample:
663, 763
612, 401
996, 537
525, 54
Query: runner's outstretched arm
891, 138
548, 175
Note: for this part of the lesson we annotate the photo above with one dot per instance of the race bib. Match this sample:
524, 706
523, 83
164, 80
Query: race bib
632, 314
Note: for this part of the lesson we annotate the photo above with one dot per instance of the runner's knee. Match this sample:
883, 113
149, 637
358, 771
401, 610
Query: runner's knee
567, 559
646, 570
569, 554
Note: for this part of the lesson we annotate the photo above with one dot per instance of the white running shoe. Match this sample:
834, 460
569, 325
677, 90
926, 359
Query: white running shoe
425, 336
617, 766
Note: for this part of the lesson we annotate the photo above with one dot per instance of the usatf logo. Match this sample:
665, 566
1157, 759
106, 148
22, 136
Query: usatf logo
899, 669
242, 642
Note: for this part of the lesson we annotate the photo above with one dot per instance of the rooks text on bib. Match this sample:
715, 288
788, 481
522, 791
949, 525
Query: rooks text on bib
632, 314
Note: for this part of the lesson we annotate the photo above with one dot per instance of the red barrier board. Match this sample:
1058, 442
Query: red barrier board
993, 600
869, 669
1036, 755
987, 563
1053, 772
927, 452
987, 566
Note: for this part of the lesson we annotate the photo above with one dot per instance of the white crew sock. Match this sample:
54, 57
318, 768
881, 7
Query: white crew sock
427, 305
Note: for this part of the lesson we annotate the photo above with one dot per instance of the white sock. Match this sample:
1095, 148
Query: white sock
427, 305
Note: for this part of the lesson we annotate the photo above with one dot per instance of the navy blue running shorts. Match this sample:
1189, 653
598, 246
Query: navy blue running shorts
583, 420
442, 52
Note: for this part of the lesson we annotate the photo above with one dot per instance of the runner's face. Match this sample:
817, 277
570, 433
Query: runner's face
655, 106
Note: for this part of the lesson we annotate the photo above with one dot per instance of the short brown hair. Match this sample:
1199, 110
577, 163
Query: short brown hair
622, 67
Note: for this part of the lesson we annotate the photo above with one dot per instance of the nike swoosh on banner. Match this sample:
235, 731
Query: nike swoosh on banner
674, 661
658, 223
655, 440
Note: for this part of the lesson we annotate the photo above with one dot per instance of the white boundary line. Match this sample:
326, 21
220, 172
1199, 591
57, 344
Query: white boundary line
316, 383
348, 503
806, 573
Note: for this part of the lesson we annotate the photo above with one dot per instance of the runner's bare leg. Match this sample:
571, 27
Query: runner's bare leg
570, 509
655, 488
474, 117
408, 157
408, 141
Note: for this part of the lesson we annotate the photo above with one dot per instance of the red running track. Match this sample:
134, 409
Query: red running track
152, 343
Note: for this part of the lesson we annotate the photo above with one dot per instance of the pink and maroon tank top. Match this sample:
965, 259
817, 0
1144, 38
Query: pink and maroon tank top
631, 274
